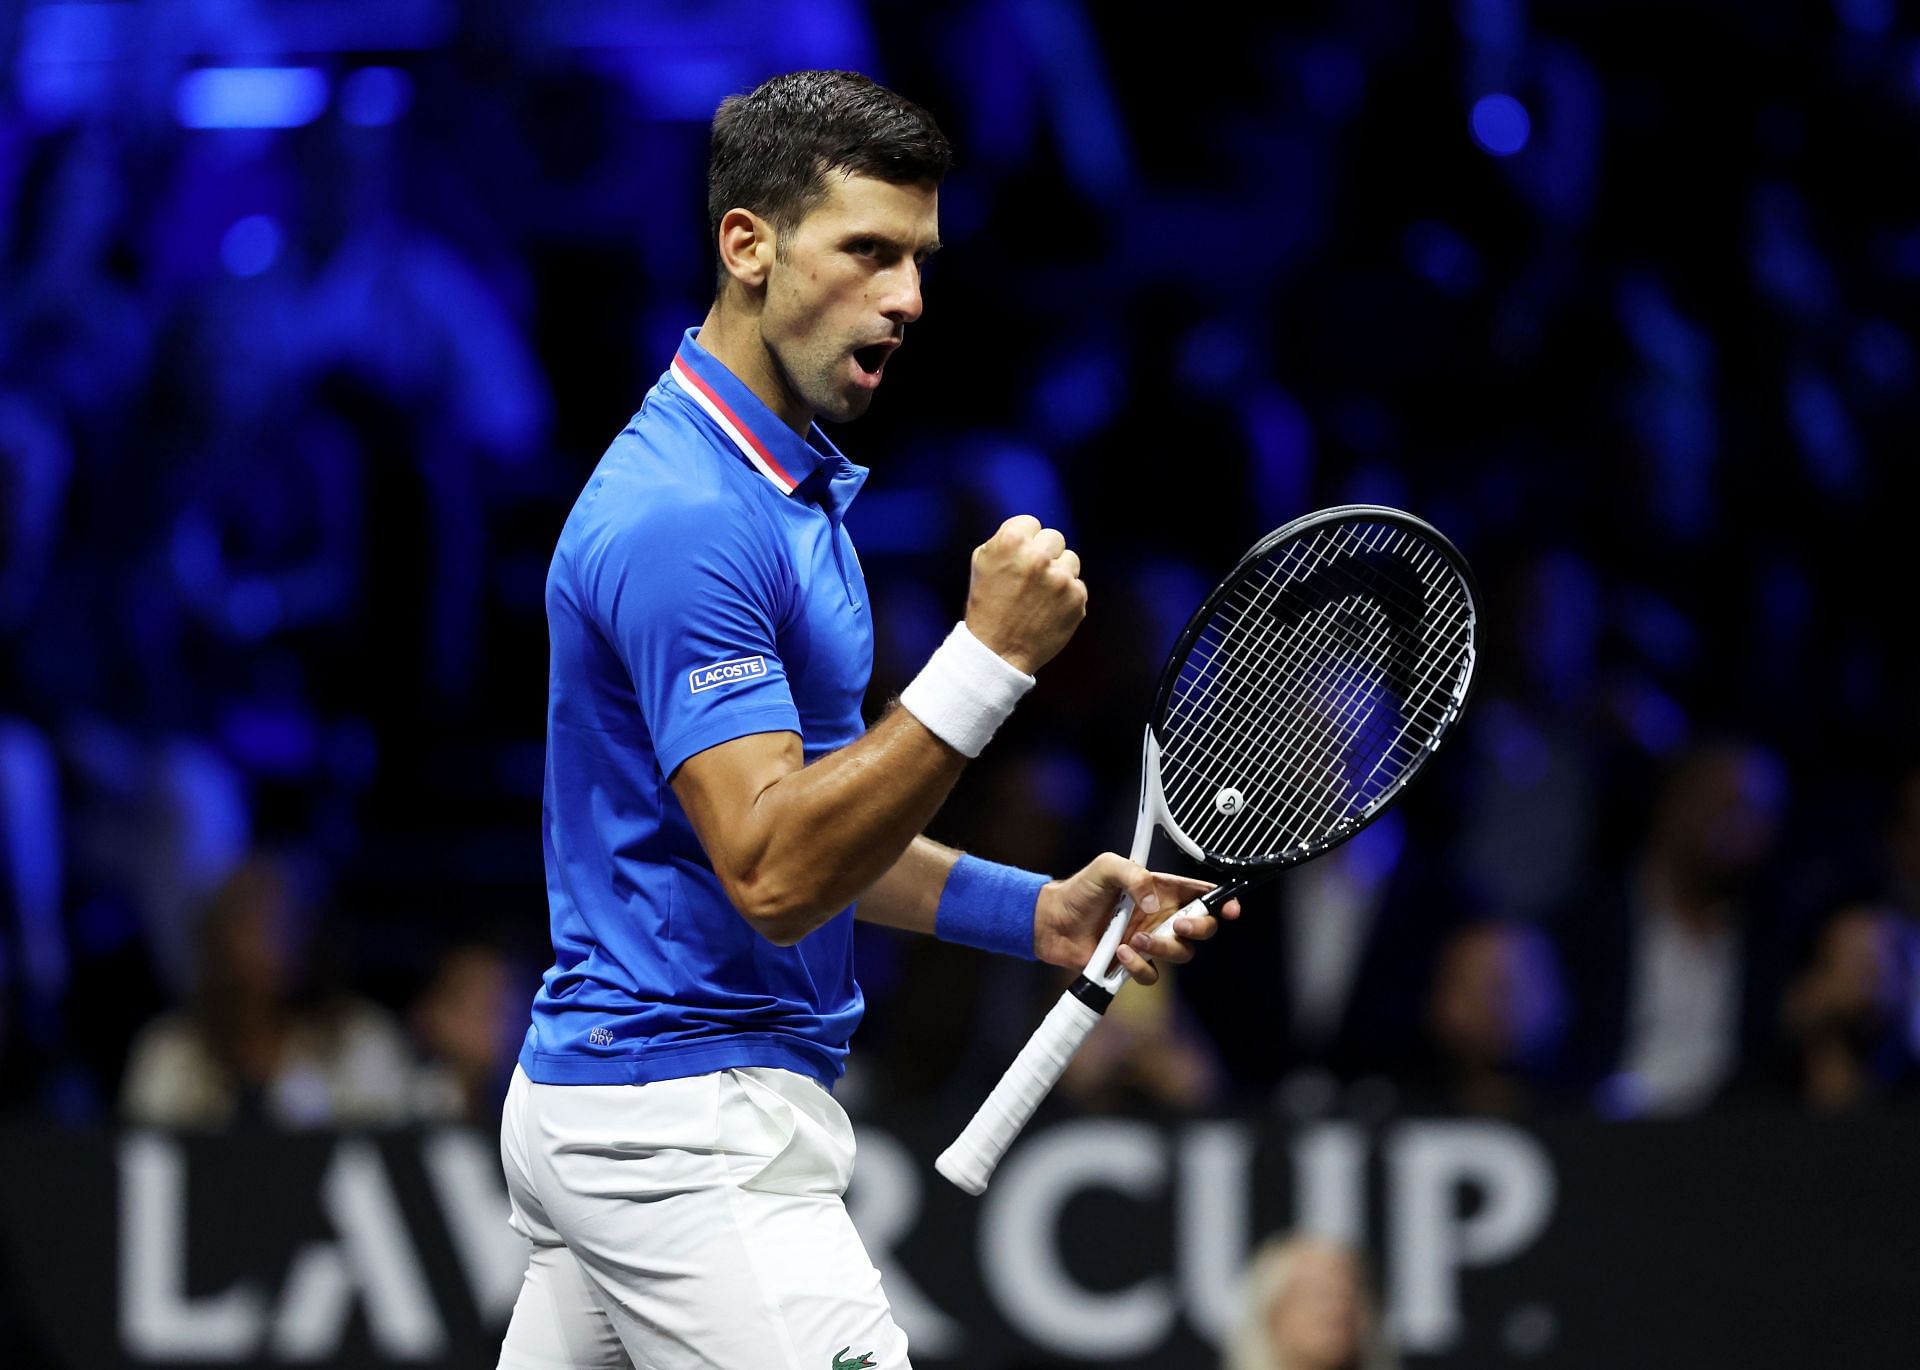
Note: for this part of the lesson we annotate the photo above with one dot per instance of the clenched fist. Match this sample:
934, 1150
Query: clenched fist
1027, 596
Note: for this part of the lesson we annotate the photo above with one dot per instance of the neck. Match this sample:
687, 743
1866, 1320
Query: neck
731, 335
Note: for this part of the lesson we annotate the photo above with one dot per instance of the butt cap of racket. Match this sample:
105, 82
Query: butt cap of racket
966, 1168
969, 1162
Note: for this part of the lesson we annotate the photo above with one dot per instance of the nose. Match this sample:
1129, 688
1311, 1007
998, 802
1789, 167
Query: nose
901, 303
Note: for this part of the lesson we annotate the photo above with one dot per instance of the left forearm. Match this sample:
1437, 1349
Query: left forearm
908, 895
1021, 913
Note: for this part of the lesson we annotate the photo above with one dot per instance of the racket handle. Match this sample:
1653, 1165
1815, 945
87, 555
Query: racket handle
969, 1162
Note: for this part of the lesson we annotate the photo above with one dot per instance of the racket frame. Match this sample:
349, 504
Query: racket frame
1153, 807
970, 1161
1255, 870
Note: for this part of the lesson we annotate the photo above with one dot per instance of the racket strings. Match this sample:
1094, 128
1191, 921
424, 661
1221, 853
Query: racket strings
1357, 692
1321, 729
1251, 607
1386, 593
1361, 684
1333, 733
1387, 744
1420, 703
1325, 734
1313, 808
1330, 739
1302, 720
1320, 785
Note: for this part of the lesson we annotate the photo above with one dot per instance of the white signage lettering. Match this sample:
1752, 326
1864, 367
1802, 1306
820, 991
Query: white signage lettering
884, 1203
158, 1322
1020, 1257
465, 1174
1214, 1223
373, 1256
1459, 1195
1429, 1164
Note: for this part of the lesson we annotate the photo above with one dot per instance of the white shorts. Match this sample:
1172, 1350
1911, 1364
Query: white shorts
692, 1224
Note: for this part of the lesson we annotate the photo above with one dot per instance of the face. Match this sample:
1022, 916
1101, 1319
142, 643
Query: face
254, 945
1316, 1318
469, 1015
1722, 814
1864, 966
1476, 998
844, 285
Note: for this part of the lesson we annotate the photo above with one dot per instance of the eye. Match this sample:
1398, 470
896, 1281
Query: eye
864, 247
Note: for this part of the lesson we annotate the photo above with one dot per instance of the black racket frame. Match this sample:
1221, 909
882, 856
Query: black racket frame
1251, 873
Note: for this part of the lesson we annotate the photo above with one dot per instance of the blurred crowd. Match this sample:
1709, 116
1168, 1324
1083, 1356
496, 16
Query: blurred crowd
290, 418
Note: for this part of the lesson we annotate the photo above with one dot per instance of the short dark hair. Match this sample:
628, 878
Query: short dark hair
773, 148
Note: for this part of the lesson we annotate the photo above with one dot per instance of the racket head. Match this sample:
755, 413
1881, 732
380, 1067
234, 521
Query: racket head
1311, 686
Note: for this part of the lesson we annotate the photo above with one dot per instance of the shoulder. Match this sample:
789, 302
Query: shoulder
171, 1079
665, 484
361, 1052
172, 1037
663, 525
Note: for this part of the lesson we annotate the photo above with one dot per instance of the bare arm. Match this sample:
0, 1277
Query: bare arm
794, 844
1068, 916
907, 896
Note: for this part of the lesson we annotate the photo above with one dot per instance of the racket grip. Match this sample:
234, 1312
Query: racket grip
969, 1162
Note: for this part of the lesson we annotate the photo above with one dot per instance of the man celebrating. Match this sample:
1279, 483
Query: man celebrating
716, 813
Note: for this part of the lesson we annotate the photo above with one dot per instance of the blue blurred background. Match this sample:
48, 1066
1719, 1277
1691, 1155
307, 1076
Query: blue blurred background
315, 317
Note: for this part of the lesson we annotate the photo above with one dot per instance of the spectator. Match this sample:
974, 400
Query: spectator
1306, 1305
1848, 1016
80, 336
1674, 988
1494, 1017
1326, 981
467, 1025
1541, 731
256, 1045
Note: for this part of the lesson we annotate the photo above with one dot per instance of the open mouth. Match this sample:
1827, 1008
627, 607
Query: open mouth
871, 359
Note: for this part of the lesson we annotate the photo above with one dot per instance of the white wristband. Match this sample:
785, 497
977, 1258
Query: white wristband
965, 691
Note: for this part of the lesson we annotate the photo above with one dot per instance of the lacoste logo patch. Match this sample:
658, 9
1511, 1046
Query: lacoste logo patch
724, 673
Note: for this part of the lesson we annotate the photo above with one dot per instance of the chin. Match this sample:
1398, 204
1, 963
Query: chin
845, 408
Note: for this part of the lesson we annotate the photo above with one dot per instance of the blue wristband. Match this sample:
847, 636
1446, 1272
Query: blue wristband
989, 906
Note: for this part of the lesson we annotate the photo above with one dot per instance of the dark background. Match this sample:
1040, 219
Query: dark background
302, 367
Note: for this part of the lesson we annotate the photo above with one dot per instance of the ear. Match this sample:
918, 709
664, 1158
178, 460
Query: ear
746, 247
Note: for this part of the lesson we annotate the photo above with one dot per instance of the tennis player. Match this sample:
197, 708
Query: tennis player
716, 812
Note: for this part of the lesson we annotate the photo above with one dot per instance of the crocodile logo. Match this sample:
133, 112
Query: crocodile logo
842, 1360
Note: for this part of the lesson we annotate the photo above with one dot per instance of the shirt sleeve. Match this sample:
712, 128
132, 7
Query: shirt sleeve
691, 599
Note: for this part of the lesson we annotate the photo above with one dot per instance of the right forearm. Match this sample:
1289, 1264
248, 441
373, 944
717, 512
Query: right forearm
793, 844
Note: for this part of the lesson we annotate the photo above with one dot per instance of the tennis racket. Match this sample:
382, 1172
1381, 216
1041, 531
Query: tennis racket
1301, 699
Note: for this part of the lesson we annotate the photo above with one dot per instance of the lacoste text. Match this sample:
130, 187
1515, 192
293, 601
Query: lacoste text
726, 673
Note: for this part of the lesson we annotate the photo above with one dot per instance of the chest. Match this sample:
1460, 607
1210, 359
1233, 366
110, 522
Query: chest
826, 637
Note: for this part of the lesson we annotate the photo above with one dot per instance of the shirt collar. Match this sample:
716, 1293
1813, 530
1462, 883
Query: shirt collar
811, 466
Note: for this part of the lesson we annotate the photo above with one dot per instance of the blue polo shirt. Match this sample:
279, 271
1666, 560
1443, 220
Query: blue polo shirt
703, 588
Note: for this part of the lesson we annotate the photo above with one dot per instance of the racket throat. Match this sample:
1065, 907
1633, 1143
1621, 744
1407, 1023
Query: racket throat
1090, 994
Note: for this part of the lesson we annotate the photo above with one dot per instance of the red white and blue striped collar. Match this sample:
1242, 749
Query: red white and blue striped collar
763, 441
